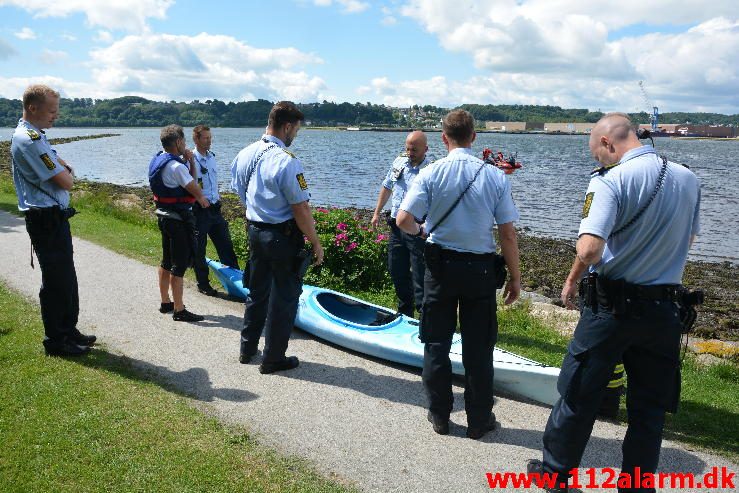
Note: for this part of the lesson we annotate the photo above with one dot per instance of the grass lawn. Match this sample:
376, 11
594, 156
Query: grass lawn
710, 399
95, 424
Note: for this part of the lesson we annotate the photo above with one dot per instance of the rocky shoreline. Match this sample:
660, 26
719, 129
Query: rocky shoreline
545, 262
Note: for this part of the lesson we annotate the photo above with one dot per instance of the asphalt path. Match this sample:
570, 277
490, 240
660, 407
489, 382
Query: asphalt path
355, 418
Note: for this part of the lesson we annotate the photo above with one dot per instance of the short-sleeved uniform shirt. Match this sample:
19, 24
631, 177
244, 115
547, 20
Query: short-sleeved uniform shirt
654, 249
34, 164
207, 175
469, 228
175, 174
400, 178
277, 182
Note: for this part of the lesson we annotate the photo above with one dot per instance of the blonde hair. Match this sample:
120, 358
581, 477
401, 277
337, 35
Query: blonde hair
37, 94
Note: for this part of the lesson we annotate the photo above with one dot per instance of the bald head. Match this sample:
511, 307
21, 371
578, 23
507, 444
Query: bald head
416, 146
611, 137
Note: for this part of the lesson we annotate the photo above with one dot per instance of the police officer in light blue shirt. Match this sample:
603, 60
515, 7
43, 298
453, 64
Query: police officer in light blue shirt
210, 221
638, 221
270, 182
405, 252
42, 182
462, 198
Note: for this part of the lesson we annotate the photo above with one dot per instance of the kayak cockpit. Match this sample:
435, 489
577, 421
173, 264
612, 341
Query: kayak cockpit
354, 311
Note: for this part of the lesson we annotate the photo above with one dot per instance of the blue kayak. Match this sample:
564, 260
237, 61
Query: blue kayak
380, 332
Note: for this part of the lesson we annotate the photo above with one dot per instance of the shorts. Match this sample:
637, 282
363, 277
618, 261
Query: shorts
177, 252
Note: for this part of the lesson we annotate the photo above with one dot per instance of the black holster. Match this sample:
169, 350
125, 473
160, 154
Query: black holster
687, 300
500, 270
432, 257
302, 261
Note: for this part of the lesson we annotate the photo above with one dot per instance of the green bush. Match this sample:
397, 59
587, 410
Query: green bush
354, 254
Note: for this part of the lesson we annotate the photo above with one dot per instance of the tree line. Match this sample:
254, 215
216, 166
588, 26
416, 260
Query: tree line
134, 111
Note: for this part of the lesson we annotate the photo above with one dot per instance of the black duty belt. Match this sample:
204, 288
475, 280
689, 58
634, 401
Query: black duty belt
282, 225
468, 256
42, 211
611, 288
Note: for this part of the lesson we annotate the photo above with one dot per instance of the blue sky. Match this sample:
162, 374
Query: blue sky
570, 53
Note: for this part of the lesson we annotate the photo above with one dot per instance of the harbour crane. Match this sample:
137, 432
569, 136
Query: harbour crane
654, 117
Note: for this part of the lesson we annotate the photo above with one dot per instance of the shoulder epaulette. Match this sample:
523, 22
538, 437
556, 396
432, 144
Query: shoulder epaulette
33, 134
602, 170
289, 153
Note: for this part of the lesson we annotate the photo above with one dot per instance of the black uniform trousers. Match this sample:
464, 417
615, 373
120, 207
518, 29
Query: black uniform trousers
52, 240
406, 266
469, 285
210, 222
648, 339
274, 289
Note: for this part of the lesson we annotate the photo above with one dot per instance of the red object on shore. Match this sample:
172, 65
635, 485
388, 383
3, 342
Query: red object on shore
508, 165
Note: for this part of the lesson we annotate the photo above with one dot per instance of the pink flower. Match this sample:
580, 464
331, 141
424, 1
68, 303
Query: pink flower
351, 246
322, 210
380, 238
341, 226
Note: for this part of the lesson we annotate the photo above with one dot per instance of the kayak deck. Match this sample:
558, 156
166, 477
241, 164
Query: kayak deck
378, 331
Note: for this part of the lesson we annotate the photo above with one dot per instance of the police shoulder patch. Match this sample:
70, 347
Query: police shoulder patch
33, 134
48, 162
290, 153
301, 181
588, 202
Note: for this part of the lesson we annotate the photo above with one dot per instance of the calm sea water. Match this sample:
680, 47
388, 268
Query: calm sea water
346, 169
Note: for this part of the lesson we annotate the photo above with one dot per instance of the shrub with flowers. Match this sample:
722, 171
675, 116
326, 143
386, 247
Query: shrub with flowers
355, 254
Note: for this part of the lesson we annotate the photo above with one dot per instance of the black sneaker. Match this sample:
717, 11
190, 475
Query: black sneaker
477, 432
81, 339
286, 364
66, 348
207, 290
247, 353
166, 307
536, 467
185, 316
440, 425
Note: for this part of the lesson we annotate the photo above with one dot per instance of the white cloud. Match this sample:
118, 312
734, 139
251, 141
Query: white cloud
128, 15
25, 33
69, 37
168, 67
571, 44
102, 36
553, 90
13, 87
51, 57
388, 18
348, 6
6, 50
205, 66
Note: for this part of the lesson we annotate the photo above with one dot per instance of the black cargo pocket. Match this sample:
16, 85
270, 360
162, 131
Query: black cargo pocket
431, 329
493, 321
569, 383
672, 399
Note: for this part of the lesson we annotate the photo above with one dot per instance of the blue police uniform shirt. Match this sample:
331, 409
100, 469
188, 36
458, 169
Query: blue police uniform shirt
35, 163
469, 228
655, 248
207, 175
400, 178
276, 183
